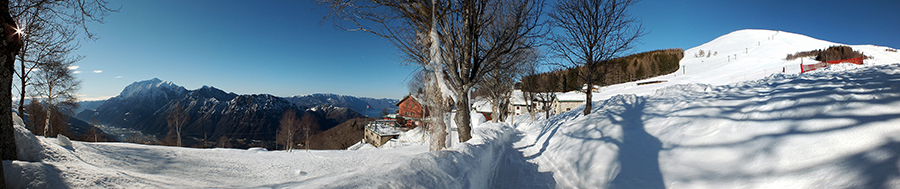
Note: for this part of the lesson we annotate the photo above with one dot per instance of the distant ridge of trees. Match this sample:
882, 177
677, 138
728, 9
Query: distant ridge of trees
620, 70
836, 52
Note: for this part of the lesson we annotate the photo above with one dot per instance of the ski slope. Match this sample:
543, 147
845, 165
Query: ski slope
726, 123
759, 53
716, 123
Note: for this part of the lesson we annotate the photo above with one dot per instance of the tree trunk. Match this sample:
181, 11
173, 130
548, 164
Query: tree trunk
47, 132
9, 47
587, 100
178, 134
22, 96
2, 177
502, 112
463, 119
547, 110
436, 121
495, 110
437, 98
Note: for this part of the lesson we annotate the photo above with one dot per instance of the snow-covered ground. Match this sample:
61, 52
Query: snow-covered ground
46, 164
718, 123
829, 129
759, 53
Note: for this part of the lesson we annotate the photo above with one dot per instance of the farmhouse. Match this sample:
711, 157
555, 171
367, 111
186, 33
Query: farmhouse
517, 103
411, 111
567, 101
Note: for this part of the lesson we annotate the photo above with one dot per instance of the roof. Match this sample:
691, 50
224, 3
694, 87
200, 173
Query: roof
571, 96
384, 127
482, 105
517, 99
410, 96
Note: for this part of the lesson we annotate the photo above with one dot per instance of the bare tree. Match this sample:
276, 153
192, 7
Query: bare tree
78, 13
36, 114
498, 84
478, 38
177, 119
497, 88
288, 129
43, 37
592, 31
457, 42
543, 96
224, 142
539, 89
71, 14
412, 26
57, 85
308, 127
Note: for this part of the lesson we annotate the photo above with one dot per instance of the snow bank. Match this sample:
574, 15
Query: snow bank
834, 128
28, 146
466, 165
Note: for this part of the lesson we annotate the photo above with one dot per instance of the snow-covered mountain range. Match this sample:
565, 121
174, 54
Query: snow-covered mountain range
214, 113
370, 107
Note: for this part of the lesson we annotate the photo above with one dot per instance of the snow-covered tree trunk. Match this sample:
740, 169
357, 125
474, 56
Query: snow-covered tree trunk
438, 87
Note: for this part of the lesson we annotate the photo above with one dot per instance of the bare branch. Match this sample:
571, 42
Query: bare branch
593, 31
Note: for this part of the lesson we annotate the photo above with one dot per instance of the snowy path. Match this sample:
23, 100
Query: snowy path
515, 171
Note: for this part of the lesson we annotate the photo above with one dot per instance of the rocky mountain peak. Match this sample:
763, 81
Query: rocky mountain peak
152, 88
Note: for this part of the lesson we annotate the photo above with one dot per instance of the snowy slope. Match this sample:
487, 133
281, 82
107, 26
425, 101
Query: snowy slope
759, 53
827, 129
45, 164
831, 128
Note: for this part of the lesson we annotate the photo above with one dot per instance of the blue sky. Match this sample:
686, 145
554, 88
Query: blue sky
283, 48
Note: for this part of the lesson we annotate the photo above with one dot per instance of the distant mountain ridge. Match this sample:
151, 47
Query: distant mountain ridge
358, 104
144, 106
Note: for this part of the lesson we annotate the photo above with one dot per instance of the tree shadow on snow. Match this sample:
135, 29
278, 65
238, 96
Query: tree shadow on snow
792, 101
32, 175
811, 97
638, 151
515, 172
877, 167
